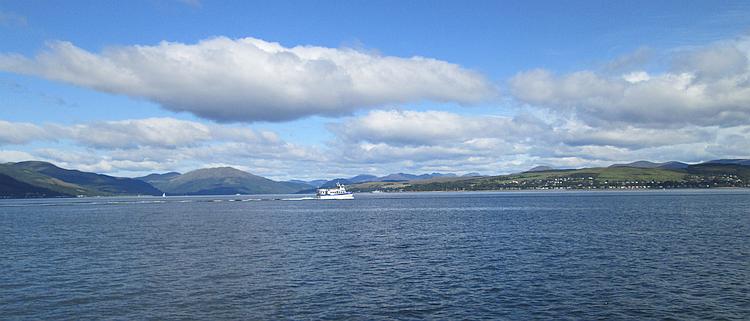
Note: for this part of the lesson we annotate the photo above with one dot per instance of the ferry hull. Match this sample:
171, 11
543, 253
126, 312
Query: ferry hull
336, 197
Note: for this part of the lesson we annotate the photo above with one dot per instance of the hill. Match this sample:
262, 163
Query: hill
397, 177
224, 181
400, 177
41, 179
348, 181
712, 169
539, 169
363, 178
38, 180
12, 188
704, 175
99, 183
744, 162
647, 164
154, 179
673, 165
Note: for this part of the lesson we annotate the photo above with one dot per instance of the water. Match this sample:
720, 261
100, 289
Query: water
573, 255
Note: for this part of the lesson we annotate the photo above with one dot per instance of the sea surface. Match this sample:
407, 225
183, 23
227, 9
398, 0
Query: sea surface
680, 255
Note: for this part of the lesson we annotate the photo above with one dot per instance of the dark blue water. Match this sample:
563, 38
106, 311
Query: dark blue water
589, 255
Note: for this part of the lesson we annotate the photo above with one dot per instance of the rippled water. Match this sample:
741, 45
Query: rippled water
573, 255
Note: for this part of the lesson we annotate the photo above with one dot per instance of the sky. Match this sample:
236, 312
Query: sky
324, 89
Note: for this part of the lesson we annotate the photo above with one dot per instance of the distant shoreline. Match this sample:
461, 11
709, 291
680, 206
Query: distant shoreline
566, 190
540, 191
36, 179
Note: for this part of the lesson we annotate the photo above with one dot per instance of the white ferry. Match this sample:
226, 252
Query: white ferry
338, 193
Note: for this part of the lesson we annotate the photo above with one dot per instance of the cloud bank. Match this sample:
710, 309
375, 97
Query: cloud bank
20, 133
151, 144
250, 79
377, 142
697, 108
516, 142
707, 86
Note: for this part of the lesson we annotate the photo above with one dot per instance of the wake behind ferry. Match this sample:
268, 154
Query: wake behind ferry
338, 193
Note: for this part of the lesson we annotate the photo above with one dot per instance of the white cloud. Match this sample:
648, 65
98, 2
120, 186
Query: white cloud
439, 128
162, 132
134, 133
20, 133
282, 161
698, 109
724, 59
14, 156
708, 86
378, 142
576, 133
91, 161
431, 140
253, 80
636, 77
432, 127
732, 143
635, 59
138, 146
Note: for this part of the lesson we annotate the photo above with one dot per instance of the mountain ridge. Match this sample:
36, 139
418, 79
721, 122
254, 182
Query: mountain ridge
649, 164
222, 181
43, 179
100, 182
702, 175
394, 177
64, 182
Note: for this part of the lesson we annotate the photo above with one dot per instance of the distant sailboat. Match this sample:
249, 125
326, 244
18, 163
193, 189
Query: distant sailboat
164, 195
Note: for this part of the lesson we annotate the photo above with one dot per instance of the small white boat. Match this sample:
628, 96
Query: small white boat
338, 193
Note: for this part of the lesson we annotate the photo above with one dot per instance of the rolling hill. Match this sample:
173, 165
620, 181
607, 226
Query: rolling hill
721, 169
397, 177
639, 175
540, 168
12, 188
647, 164
744, 162
99, 183
223, 181
155, 179
41, 179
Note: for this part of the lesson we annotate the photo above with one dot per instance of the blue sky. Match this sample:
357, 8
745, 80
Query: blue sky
500, 86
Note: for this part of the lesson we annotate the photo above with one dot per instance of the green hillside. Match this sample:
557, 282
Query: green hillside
99, 184
694, 176
156, 179
39, 180
225, 181
12, 188
711, 169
